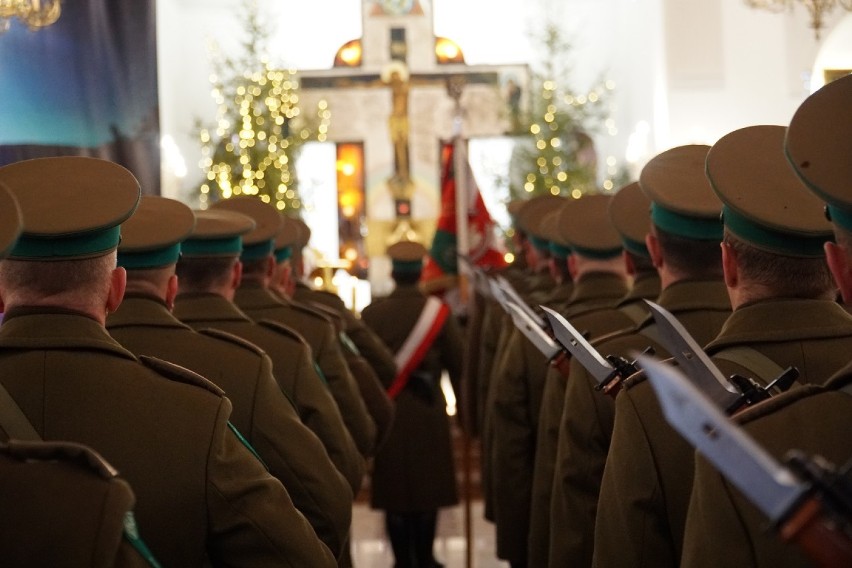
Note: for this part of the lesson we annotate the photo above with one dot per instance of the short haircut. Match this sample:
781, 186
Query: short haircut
204, 274
643, 265
141, 280
255, 269
782, 276
406, 278
692, 258
31, 281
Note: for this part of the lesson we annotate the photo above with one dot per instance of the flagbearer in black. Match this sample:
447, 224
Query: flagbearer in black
414, 474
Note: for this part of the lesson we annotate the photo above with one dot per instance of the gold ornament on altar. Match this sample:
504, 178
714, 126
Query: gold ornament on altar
35, 14
818, 8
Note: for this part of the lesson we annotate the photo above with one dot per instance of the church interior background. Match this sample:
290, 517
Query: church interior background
679, 72
685, 71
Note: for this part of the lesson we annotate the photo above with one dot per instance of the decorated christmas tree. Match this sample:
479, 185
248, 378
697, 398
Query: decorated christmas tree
558, 153
260, 126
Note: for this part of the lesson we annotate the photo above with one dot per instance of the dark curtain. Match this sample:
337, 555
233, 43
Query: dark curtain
86, 85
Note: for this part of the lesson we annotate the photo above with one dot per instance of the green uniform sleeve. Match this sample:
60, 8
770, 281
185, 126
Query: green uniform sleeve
251, 519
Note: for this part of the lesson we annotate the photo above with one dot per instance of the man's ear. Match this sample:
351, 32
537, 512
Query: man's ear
572, 266
236, 275
171, 291
117, 285
729, 265
654, 249
841, 268
270, 268
628, 263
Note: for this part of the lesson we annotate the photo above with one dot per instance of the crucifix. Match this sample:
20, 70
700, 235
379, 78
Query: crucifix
389, 98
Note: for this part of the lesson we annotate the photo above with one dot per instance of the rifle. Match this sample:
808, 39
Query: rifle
808, 500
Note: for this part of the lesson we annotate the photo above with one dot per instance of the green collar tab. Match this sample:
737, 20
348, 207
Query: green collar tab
701, 229
149, 259
257, 251
778, 242
228, 246
86, 245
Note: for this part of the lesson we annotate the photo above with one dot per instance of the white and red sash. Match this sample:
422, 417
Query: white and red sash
417, 344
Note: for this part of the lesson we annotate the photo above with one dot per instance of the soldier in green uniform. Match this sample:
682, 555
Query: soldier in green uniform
366, 342
208, 272
517, 386
414, 473
781, 292
365, 354
149, 251
629, 213
203, 497
683, 244
722, 527
255, 299
499, 326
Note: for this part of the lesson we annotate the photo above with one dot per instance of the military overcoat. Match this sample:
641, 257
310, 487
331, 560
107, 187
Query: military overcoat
649, 474
294, 370
588, 415
723, 528
200, 492
414, 470
261, 412
260, 304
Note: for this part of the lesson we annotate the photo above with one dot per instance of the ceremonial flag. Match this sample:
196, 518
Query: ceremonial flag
441, 267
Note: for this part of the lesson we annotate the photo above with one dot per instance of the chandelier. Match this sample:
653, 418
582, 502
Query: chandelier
34, 13
817, 8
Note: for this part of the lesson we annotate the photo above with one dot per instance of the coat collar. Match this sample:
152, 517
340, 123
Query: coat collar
56, 328
687, 295
598, 285
783, 320
205, 306
645, 287
143, 310
406, 291
254, 296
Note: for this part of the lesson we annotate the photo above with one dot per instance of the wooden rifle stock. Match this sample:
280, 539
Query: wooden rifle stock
821, 538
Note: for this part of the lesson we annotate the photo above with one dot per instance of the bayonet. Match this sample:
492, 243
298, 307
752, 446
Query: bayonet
808, 500
692, 358
608, 371
730, 394
532, 331
511, 294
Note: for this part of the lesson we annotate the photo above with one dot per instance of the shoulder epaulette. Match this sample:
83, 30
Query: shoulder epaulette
310, 310
283, 329
179, 374
778, 402
231, 338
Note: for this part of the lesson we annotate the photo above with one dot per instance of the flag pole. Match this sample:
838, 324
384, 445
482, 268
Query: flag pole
455, 86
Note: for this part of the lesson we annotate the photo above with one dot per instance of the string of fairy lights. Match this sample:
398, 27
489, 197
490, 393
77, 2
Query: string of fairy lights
565, 154
259, 129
